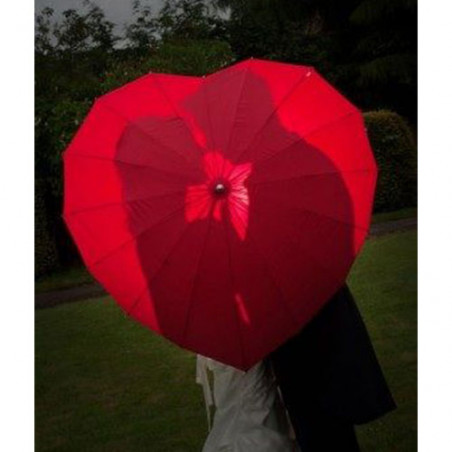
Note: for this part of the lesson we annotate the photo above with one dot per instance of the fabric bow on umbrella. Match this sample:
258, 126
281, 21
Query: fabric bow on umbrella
221, 212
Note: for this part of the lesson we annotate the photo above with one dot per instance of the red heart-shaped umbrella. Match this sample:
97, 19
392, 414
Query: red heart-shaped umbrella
221, 212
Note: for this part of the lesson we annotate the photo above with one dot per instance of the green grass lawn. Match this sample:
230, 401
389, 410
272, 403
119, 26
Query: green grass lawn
74, 276
384, 281
104, 383
408, 212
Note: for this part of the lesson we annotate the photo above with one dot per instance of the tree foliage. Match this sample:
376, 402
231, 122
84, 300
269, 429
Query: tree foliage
395, 151
367, 48
141, 33
77, 32
383, 60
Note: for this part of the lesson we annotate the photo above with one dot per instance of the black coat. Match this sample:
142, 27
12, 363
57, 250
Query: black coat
329, 373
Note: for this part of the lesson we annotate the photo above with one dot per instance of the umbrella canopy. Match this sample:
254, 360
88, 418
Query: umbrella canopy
221, 212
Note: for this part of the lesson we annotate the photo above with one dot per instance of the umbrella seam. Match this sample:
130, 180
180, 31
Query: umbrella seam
302, 176
277, 107
206, 104
239, 98
160, 267
144, 231
336, 220
276, 283
234, 306
307, 134
195, 281
157, 82
103, 103
129, 201
123, 162
314, 259
132, 239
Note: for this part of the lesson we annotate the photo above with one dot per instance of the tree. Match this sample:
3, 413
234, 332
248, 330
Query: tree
43, 32
142, 33
367, 48
78, 31
189, 19
384, 58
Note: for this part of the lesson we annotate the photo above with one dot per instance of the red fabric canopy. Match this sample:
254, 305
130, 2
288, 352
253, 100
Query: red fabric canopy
221, 212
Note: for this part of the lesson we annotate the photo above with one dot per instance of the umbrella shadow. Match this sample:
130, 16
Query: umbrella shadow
228, 295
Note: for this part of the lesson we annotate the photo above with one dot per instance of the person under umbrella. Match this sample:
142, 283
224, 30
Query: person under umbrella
329, 378
249, 413
221, 212
224, 212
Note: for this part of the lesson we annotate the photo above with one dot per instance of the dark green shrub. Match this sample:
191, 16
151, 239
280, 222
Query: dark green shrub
191, 57
395, 151
46, 256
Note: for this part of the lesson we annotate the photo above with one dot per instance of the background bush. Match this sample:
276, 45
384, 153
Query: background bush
46, 255
395, 151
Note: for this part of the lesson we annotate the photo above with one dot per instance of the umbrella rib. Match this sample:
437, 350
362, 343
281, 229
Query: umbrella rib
239, 98
128, 202
336, 220
195, 281
154, 77
123, 162
206, 104
307, 134
302, 176
289, 313
273, 278
134, 238
159, 268
101, 102
243, 208
234, 307
213, 167
144, 231
239, 203
314, 259
274, 111
134, 304
239, 174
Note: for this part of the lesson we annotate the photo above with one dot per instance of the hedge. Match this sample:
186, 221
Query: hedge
394, 148
46, 255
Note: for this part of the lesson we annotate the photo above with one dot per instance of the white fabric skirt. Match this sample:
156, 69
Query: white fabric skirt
249, 415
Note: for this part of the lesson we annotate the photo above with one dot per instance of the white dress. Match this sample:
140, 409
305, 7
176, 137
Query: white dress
249, 415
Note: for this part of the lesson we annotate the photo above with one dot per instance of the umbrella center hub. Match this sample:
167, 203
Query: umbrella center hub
220, 188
